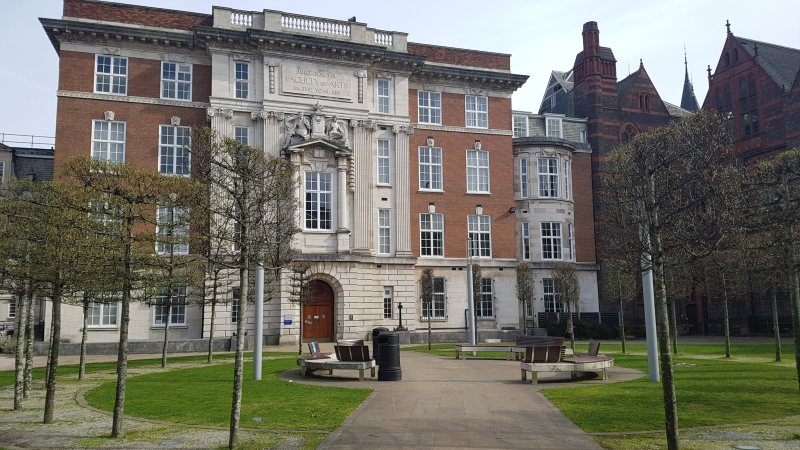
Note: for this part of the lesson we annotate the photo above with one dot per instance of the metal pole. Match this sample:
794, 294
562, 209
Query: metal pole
650, 320
259, 334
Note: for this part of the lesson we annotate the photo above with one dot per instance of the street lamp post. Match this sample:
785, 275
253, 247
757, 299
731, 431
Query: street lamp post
400, 327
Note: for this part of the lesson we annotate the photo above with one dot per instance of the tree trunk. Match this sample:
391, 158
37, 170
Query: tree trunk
622, 325
775, 326
300, 335
726, 317
236, 405
166, 336
674, 328
570, 328
430, 313
29, 340
49, 355
19, 359
84, 335
211, 329
52, 367
667, 376
122, 354
796, 317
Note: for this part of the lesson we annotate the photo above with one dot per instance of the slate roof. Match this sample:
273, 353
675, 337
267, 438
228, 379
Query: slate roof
625, 84
605, 55
688, 99
781, 63
676, 111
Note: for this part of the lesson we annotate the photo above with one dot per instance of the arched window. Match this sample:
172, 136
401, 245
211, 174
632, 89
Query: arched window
748, 105
720, 105
727, 59
647, 102
641, 101
627, 134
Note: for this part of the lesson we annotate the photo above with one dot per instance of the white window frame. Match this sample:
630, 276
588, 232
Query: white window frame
547, 170
526, 241
12, 308
524, 173
115, 81
478, 172
479, 231
176, 310
241, 86
2, 171
426, 160
168, 142
476, 116
388, 302
108, 140
566, 180
383, 96
553, 101
551, 239
180, 87
435, 227
584, 138
571, 242
520, 126
102, 312
439, 303
384, 232
235, 296
550, 297
320, 195
554, 127
426, 107
485, 307
180, 230
384, 162
242, 134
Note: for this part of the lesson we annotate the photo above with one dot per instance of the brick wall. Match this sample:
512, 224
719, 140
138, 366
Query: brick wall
454, 110
584, 207
461, 57
144, 76
133, 14
455, 203
74, 128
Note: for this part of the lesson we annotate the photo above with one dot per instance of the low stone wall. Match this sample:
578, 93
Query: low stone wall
448, 337
145, 347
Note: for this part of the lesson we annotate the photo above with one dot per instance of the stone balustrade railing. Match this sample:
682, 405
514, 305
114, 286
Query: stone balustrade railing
279, 21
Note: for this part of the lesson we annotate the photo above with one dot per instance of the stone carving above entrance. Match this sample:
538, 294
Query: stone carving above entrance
303, 126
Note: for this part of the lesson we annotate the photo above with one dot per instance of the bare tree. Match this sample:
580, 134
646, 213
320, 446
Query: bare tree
568, 292
664, 193
524, 288
302, 292
619, 283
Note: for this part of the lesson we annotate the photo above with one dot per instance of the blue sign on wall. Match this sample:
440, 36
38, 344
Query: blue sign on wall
287, 322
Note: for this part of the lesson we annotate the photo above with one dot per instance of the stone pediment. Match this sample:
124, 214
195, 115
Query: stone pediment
320, 144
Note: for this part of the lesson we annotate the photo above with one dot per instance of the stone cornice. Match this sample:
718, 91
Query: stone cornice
131, 99
425, 126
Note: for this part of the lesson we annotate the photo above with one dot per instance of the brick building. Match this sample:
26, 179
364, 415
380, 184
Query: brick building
615, 111
402, 150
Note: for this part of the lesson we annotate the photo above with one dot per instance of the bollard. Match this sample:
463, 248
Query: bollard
389, 361
375, 348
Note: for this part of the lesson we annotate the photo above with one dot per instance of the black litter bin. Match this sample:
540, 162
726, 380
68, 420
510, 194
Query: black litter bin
389, 357
375, 348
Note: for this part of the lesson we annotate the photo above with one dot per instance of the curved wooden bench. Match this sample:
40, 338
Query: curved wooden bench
577, 364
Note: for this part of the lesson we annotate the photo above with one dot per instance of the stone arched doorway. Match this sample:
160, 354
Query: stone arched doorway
318, 315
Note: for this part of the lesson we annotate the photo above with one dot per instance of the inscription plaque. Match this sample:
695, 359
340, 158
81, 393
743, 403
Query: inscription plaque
315, 82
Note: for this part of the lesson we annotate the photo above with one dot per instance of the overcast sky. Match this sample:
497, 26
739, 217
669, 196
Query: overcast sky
540, 35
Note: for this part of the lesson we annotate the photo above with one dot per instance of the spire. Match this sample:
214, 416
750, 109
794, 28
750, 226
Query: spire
688, 99
728, 25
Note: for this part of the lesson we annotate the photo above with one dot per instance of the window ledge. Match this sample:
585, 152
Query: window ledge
433, 319
320, 231
171, 327
110, 93
176, 99
487, 319
478, 193
429, 191
477, 128
104, 328
383, 185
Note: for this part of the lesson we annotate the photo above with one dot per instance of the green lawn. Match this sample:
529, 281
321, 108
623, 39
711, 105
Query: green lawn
7, 376
202, 396
715, 390
450, 350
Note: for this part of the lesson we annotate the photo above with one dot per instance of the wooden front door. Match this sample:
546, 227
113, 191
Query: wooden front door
318, 315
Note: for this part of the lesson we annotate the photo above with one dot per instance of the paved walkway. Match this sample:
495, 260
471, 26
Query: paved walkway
444, 403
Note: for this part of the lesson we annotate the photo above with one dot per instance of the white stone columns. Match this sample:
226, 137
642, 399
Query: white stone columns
344, 226
219, 120
272, 133
362, 202
258, 129
402, 193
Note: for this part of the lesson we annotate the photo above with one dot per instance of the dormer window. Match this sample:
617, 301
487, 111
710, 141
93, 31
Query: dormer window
554, 127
